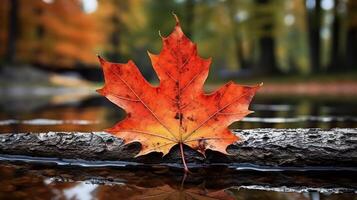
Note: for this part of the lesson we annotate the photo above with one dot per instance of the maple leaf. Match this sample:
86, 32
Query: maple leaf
177, 111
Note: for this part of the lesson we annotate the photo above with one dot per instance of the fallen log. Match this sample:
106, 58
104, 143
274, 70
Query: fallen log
264, 147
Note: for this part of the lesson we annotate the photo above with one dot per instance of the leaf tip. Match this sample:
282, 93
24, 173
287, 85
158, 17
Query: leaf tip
208, 60
130, 62
101, 60
229, 83
151, 55
100, 91
108, 130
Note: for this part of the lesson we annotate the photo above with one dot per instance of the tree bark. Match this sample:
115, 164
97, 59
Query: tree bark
263, 147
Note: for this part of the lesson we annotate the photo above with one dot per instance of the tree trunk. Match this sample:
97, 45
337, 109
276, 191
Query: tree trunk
314, 24
12, 31
189, 17
263, 147
352, 48
266, 63
338, 58
237, 37
115, 42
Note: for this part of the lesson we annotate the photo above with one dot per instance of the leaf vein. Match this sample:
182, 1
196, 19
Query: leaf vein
214, 114
146, 106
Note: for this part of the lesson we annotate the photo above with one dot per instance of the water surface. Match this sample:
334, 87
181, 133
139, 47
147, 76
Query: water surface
43, 113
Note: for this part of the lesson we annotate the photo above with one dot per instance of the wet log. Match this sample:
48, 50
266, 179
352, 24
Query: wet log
258, 147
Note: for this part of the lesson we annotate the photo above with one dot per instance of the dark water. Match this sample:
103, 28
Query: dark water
43, 113
48, 182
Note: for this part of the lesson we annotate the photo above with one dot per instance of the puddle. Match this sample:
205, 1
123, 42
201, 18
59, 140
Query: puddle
68, 182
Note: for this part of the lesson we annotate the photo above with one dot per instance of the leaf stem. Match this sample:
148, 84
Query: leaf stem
183, 158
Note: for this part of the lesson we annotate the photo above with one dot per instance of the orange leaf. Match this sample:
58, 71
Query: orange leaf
177, 111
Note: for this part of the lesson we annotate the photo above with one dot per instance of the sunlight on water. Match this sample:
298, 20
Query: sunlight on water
82, 191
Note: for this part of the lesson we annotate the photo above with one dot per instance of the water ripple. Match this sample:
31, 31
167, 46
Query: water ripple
272, 107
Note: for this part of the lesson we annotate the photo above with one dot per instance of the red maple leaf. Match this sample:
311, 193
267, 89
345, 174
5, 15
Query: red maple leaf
177, 111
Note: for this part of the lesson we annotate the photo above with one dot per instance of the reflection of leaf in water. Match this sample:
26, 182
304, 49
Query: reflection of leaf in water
161, 192
24, 181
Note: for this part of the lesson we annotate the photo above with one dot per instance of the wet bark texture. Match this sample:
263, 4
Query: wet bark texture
268, 147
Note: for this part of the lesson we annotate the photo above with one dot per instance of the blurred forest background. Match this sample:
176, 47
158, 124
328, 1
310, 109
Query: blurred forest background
245, 38
305, 52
